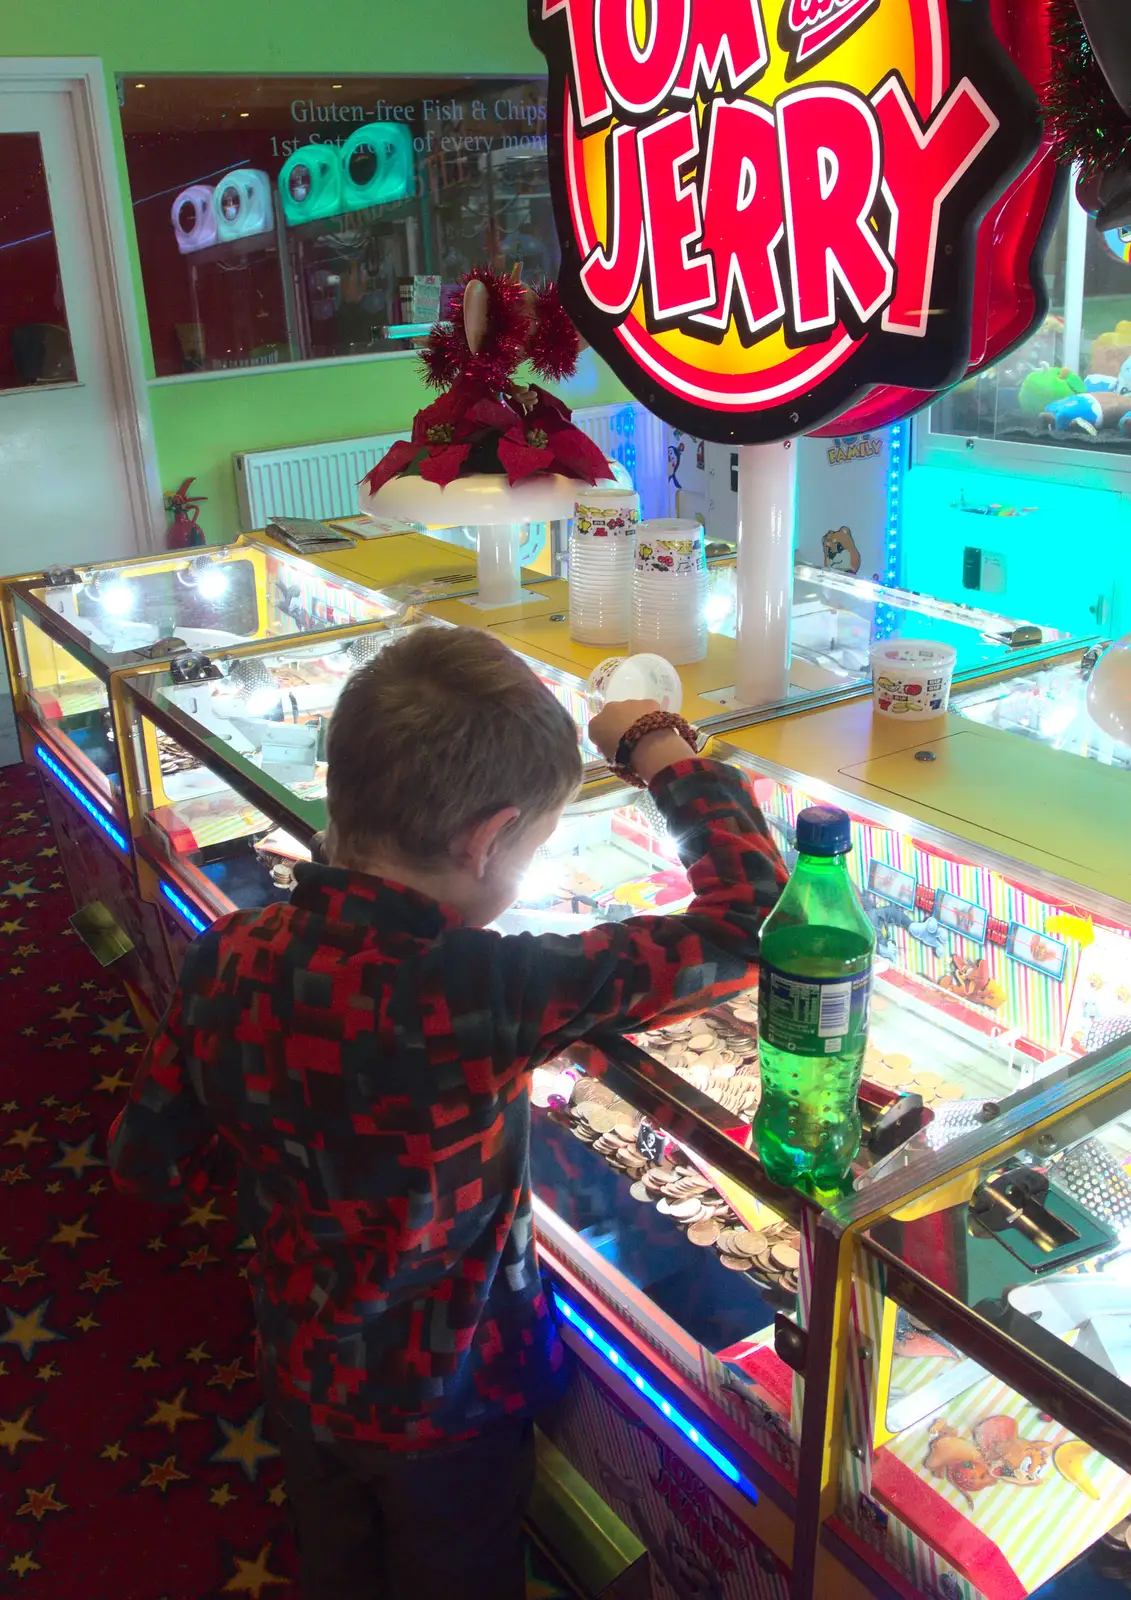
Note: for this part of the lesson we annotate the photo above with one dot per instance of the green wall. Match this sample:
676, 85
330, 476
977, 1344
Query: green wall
198, 424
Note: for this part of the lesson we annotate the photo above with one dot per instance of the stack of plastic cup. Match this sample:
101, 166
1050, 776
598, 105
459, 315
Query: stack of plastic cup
669, 591
600, 565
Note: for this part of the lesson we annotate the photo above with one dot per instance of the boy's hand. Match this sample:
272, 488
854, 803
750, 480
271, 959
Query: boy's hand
654, 752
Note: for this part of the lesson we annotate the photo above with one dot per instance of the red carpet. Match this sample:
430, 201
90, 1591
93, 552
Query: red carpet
133, 1464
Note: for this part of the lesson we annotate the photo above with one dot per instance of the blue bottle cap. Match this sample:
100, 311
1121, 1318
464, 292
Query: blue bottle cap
823, 831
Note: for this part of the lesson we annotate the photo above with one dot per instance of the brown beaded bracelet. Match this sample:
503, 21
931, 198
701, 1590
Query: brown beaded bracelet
651, 722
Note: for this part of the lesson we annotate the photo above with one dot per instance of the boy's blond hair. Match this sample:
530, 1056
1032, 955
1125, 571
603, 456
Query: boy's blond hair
444, 727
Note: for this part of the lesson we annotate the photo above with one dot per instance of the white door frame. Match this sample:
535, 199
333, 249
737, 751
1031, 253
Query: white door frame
84, 80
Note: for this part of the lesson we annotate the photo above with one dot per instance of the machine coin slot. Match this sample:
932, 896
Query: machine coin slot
1035, 1221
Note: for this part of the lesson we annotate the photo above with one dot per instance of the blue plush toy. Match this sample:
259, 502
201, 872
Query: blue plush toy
1107, 403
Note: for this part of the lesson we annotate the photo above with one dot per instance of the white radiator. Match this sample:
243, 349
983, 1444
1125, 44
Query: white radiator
320, 480
308, 480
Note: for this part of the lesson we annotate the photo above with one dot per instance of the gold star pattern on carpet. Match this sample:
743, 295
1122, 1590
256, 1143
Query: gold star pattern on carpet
47, 1372
221, 1496
229, 1375
14, 1432
72, 1233
39, 1502
60, 1041
102, 1279
113, 1452
14, 1175
156, 1243
199, 1258
68, 1013
24, 1138
111, 1082
277, 1495
22, 1565
53, 1188
115, 1028
26, 1329
13, 925
162, 1473
197, 1354
245, 1444
22, 1273
169, 1413
84, 1324
12, 1106
203, 1215
76, 1158
147, 1362
72, 1114
252, 1577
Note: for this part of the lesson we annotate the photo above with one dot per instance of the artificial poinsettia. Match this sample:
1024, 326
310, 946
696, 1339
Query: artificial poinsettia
485, 421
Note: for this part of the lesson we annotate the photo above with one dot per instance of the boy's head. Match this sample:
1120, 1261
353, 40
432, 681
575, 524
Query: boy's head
449, 765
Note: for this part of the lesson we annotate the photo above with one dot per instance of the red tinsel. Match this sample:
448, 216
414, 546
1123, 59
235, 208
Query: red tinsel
484, 421
553, 346
1086, 121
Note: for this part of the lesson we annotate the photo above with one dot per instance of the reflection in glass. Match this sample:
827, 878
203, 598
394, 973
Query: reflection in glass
287, 219
35, 346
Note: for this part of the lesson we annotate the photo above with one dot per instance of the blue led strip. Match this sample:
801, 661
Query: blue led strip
179, 903
61, 775
885, 615
671, 1414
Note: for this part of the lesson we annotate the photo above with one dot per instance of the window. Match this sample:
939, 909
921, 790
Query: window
35, 346
296, 219
1078, 363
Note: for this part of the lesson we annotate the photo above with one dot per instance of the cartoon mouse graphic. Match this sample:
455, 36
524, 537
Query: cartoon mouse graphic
841, 554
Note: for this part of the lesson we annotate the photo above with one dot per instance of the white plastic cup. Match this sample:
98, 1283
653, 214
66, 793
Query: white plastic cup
911, 678
639, 677
669, 590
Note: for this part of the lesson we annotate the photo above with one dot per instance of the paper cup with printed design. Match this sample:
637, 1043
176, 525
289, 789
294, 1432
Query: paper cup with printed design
606, 514
911, 678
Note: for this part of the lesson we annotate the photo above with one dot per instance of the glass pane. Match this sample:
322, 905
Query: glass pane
1070, 383
290, 219
837, 618
35, 346
1048, 704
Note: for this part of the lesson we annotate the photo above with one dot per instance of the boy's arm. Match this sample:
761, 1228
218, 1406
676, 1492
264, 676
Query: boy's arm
546, 990
163, 1146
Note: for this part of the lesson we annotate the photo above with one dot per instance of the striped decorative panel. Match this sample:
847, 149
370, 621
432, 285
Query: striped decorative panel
320, 480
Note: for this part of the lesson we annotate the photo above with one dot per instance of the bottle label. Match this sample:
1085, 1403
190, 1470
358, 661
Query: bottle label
813, 1016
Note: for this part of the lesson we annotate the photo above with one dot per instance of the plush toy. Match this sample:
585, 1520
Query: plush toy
1046, 385
1106, 405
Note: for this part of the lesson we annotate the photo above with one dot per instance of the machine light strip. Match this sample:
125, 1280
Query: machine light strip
62, 776
179, 903
627, 1371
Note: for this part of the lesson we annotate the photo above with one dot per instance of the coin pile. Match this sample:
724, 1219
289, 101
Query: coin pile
599, 1118
716, 1055
172, 756
888, 1070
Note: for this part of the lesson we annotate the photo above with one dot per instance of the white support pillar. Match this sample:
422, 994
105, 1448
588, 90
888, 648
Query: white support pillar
500, 581
767, 516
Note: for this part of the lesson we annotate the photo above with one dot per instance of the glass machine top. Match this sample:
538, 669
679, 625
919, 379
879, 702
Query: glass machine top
265, 719
117, 615
837, 618
1049, 705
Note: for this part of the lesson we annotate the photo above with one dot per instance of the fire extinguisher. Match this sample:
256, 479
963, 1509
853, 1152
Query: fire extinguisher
185, 530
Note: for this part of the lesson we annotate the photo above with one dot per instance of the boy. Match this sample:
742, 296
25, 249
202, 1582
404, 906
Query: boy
365, 1051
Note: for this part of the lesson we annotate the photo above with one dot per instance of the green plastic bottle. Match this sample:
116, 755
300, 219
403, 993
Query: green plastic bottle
814, 995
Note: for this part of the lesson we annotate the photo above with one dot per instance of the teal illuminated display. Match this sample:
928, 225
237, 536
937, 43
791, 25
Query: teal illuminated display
310, 184
372, 168
376, 165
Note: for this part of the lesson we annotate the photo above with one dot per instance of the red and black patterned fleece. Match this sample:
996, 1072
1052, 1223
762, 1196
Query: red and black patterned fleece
367, 1058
